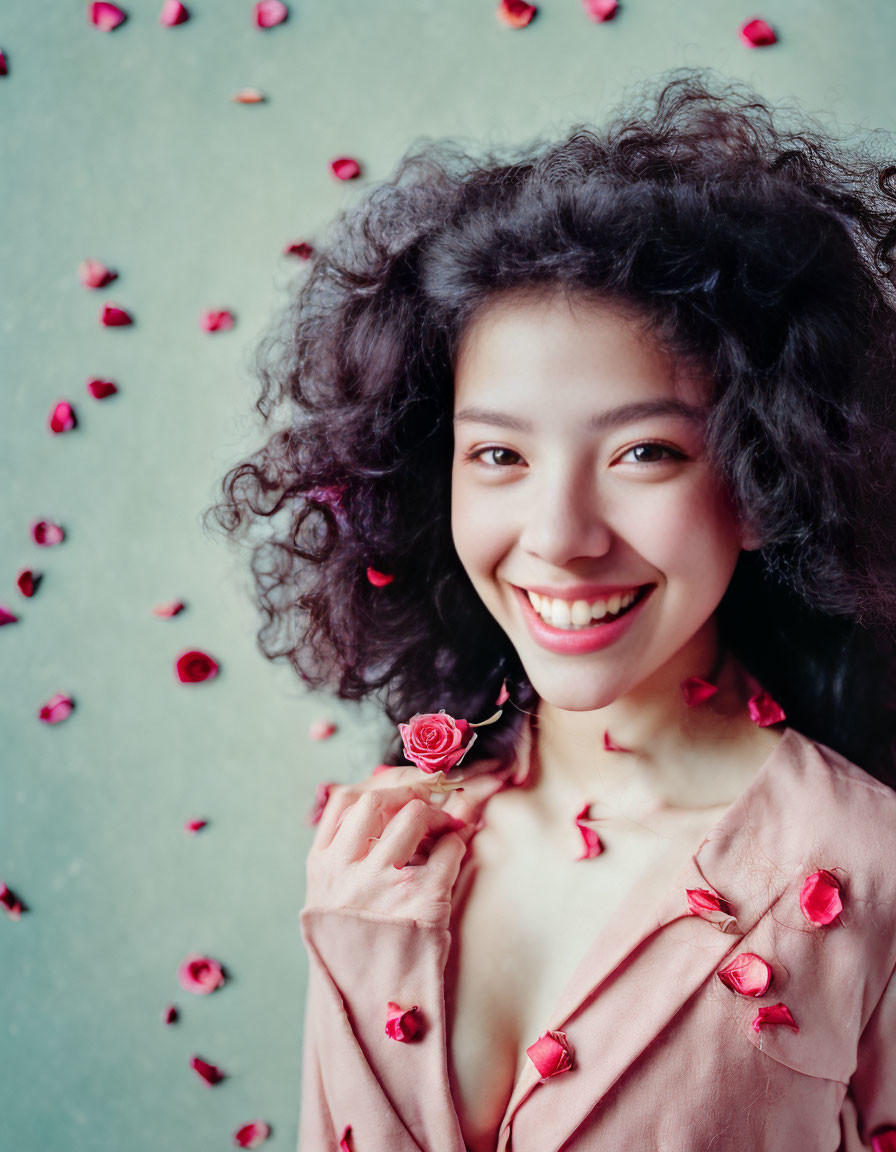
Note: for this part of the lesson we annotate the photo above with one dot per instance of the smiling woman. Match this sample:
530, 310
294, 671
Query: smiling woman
601, 434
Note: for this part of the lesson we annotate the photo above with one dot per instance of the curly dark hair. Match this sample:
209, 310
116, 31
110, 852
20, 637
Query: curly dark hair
761, 252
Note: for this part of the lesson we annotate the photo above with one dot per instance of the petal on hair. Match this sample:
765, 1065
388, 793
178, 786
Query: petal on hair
249, 96
774, 1014
100, 389
515, 13
170, 1014
56, 709
345, 168
94, 274
551, 1054
299, 248
757, 34
114, 317
220, 320
378, 579
105, 16
503, 695
269, 13
200, 974
194, 666
884, 1140
251, 1135
167, 611
28, 581
402, 1023
322, 729
46, 533
345, 1140
62, 418
173, 13
697, 691
764, 710
747, 974
611, 746
7, 617
820, 900
210, 1073
194, 826
321, 796
10, 903
592, 846
600, 10
712, 907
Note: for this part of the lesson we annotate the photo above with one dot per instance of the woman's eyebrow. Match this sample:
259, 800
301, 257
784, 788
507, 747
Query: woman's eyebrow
599, 422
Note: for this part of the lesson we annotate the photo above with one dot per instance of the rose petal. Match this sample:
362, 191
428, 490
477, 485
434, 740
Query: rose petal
167, 611
764, 710
820, 899
249, 96
321, 796
194, 826
611, 746
7, 617
114, 317
593, 846
170, 1014
515, 13
503, 695
747, 974
209, 1072
435, 741
345, 168
100, 389
46, 533
378, 579
28, 581
200, 974
193, 667
94, 274
346, 1143
383, 768
173, 13
773, 1014
105, 16
270, 12
600, 10
56, 709
884, 1140
10, 903
697, 691
712, 908
402, 1024
62, 418
251, 1135
216, 320
757, 34
4, 67
299, 248
551, 1054
322, 729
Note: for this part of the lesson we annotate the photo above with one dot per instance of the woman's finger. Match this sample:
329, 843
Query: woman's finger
341, 797
402, 835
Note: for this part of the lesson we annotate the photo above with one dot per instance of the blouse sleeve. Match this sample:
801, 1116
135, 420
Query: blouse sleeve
393, 1095
869, 1113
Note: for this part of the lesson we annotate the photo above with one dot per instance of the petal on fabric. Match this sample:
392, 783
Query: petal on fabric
757, 34
820, 900
884, 1140
592, 842
56, 709
46, 533
100, 389
299, 248
402, 1023
611, 746
600, 10
251, 1135
170, 1015
28, 581
747, 974
321, 796
194, 666
322, 729
503, 695
345, 1140
210, 1073
62, 418
170, 609
770, 1014
106, 16
378, 579
249, 96
10, 903
200, 974
194, 826
516, 13
764, 710
345, 168
114, 317
7, 617
712, 908
697, 691
269, 13
95, 274
216, 320
172, 14
551, 1054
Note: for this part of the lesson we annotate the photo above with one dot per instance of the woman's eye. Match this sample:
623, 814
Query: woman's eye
479, 453
651, 452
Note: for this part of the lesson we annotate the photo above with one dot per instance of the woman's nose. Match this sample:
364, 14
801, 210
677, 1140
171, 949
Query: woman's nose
566, 522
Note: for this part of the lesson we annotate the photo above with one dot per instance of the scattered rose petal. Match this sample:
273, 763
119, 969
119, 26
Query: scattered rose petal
172, 14
10, 903
600, 10
773, 1014
194, 826
593, 846
322, 730
697, 691
321, 796
200, 974
764, 710
170, 1015
820, 898
194, 666
100, 389
56, 709
883, 1140
249, 96
757, 34
378, 579
402, 1024
550, 1054
251, 1135
345, 168
105, 16
28, 581
114, 317
383, 768
94, 274
7, 617
166, 611
4, 67
209, 1072
747, 974
503, 695
345, 1140
515, 13
46, 533
62, 418
435, 741
712, 907
299, 248
270, 12
611, 746
216, 321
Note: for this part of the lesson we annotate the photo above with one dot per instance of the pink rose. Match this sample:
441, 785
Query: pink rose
435, 741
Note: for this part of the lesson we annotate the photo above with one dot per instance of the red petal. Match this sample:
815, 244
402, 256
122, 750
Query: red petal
402, 1024
216, 321
270, 12
503, 695
697, 691
712, 907
321, 796
46, 533
747, 974
248, 96
170, 1014
194, 666
56, 709
114, 317
105, 16
194, 826
322, 729
550, 1054
600, 10
757, 34
346, 1144
820, 898
383, 768
299, 248
62, 418
884, 1140
764, 710
200, 974
4, 67
774, 1014
593, 845
10, 903
611, 746
378, 579
93, 274
28, 581
166, 611
209, 1072
345, 168
173, 13
516, 13
252, 1134
7, 617
100, 389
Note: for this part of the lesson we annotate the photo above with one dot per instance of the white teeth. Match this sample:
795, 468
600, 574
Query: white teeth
570, 614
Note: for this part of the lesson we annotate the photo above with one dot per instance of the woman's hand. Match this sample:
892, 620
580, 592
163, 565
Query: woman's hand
390, 849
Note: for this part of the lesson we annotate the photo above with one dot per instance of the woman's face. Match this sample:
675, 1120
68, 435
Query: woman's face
579, 469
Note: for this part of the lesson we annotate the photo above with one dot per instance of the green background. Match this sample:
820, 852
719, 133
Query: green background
126, 147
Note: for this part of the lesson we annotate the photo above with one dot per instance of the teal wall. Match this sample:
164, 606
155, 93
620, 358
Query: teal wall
126, 147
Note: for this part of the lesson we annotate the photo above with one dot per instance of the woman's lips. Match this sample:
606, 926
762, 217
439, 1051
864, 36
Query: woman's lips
578, 640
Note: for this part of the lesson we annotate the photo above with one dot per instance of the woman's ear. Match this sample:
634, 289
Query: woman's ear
749, 538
